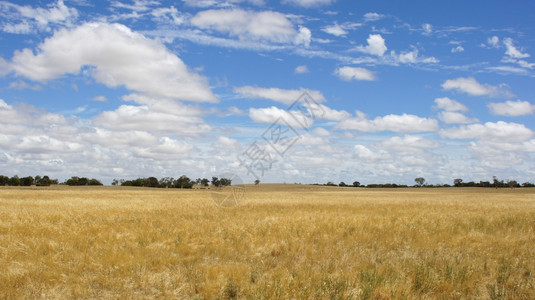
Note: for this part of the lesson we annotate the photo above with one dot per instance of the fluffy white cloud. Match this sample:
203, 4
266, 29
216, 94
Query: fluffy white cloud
366, 154
511, 50
250, 25
499, 132
453, 117
404, 123
309, 3
448, 104
408, 143
280, 95
354, 73
372, 16
142, 118
470, 86
117, 56
512, 108
227, 143
457, 49
376, 45
24, 19
335, 29
493, 42
274, 114
427, 28
301, 69
209, 3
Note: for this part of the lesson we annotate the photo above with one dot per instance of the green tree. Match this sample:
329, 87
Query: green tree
457, 182
26, 181
356, 183
420, 181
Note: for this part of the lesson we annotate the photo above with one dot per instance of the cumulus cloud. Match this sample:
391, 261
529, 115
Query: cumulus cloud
209, 3
250, 25
142, 118
470, 86
511, 50
457, 49
493, 42
271, 115
408, 143
340, 29
354, 73
404, 123
21, 19
279, 95
453, 117
372, 16
512, 108
116, 56
376, 45
448, 104
309, 3
301, 69
427, 28
499, 132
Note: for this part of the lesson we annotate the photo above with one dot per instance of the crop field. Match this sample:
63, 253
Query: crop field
279, 242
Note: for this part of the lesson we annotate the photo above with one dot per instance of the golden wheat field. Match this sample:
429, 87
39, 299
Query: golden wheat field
279, 242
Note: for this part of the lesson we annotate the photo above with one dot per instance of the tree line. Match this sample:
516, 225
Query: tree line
27, 181
420, 182
183, 182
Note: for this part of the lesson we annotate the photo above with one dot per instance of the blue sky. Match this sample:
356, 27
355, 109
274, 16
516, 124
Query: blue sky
386, 91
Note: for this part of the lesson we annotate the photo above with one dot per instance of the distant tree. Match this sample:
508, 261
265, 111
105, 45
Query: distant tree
257, 182
420, 181
94, 181
115, 182
205, 182
83, 181
216, 182
184, 182
14, 181
330, 183
72, 181
4, 180
512, 183
167, 182
356, 183
45, 181
27, 181
528, 184
497, 183
457, 182
342, 184
151, 182
225, 181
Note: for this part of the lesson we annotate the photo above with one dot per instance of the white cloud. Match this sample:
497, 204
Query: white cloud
249, 25
376, 45
354, 73
118, 57
448, 104
100, 98
511, 50
301, 69
366, 154
372, 16
274, 114
457, 49
408, 143
22, 85
427, 28
209, 3
280, 95
404, 123
335, 30
142, 118
227, 143
470, 86
512, 108
303, 37
453, 117
24, 19
499, 132
493, 42
309, 3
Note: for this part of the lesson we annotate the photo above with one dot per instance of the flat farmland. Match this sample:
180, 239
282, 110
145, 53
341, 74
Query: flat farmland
279, 242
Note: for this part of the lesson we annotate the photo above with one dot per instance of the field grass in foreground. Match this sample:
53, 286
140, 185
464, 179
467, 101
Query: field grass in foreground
280, 242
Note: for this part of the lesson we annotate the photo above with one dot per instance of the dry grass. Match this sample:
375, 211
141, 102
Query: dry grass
282, 241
